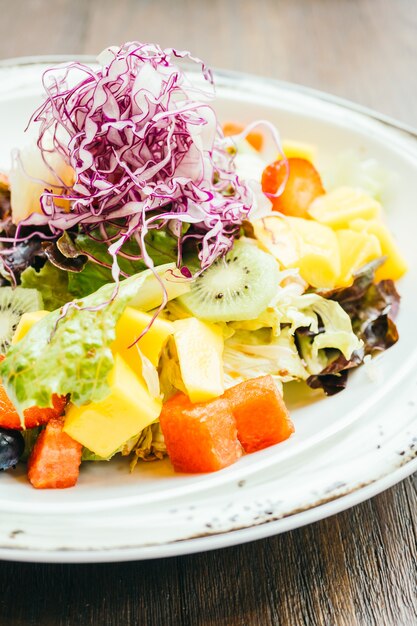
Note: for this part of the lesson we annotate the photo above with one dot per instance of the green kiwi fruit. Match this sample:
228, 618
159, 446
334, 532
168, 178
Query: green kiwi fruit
13, 303
238, 286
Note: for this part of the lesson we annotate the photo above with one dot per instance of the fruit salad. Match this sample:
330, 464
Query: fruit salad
165, 273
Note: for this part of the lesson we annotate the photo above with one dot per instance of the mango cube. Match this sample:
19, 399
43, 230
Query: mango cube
395, 266
200, 349
356, 250
339, 207
104, 426
25, 324
276, 236
304, 244
129, 327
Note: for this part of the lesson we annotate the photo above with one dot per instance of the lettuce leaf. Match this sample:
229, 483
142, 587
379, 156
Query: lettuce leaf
329, 325
170, 379
333, 378
149, 445
71, 354
58, 286
162, 247
248, 354
51, 282
294, 339
372, 308
20, 257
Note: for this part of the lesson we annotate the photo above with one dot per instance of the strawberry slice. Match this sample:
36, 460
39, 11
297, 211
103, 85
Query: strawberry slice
302, 187
55, 460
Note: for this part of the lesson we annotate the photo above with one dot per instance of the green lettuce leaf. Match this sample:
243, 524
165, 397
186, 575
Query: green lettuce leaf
248, 354
372, 308
58, 286
328, 322
87, 455
92, 277
51, 282
162, 247
294, 338
149, 445
71, 354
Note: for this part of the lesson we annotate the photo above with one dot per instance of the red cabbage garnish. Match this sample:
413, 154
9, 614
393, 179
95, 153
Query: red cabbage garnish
146, 150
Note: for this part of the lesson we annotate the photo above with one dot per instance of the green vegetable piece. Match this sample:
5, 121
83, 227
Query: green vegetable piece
52, 284
71, 354
162, 247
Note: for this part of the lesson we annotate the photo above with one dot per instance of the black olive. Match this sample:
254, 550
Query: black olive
12, 445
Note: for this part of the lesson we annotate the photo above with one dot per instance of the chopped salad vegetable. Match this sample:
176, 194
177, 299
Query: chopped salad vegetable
181, 278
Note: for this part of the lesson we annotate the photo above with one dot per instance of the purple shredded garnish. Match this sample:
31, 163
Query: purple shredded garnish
146, 150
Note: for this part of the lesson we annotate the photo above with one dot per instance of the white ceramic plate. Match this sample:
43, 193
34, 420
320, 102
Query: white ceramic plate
346, 448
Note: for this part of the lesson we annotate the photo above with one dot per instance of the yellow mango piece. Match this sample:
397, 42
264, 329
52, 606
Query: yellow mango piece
304, 244
356, 250
319, 261
299, 150
200, 350
25, 324
395, 266
276, 236
339, 207
129, 327
104, 426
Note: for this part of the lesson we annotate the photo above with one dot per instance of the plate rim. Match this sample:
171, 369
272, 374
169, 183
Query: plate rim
217, 541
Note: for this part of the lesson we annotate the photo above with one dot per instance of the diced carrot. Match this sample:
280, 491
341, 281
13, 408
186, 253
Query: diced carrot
55, 459
254, 137
34, 416
302, 187
199, 437
262, 418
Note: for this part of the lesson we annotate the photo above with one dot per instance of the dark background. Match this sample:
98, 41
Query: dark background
358, 567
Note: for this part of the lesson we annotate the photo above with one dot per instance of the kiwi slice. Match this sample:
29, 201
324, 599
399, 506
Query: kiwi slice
13, 303
238, 286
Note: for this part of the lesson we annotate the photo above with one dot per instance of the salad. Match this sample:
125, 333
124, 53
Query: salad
163, 276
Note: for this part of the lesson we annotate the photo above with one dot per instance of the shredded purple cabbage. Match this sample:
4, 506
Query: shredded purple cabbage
146, 150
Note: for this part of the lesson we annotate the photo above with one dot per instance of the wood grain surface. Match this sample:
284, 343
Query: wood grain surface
356, 568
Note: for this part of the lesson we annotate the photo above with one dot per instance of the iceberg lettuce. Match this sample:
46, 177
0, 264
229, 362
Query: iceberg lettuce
291, 340
248, 354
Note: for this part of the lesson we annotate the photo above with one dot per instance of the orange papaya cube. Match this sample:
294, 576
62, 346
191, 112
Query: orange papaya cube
199, 437
262, 418
55, 459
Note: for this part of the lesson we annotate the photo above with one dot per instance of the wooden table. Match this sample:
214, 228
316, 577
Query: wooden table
358, 567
